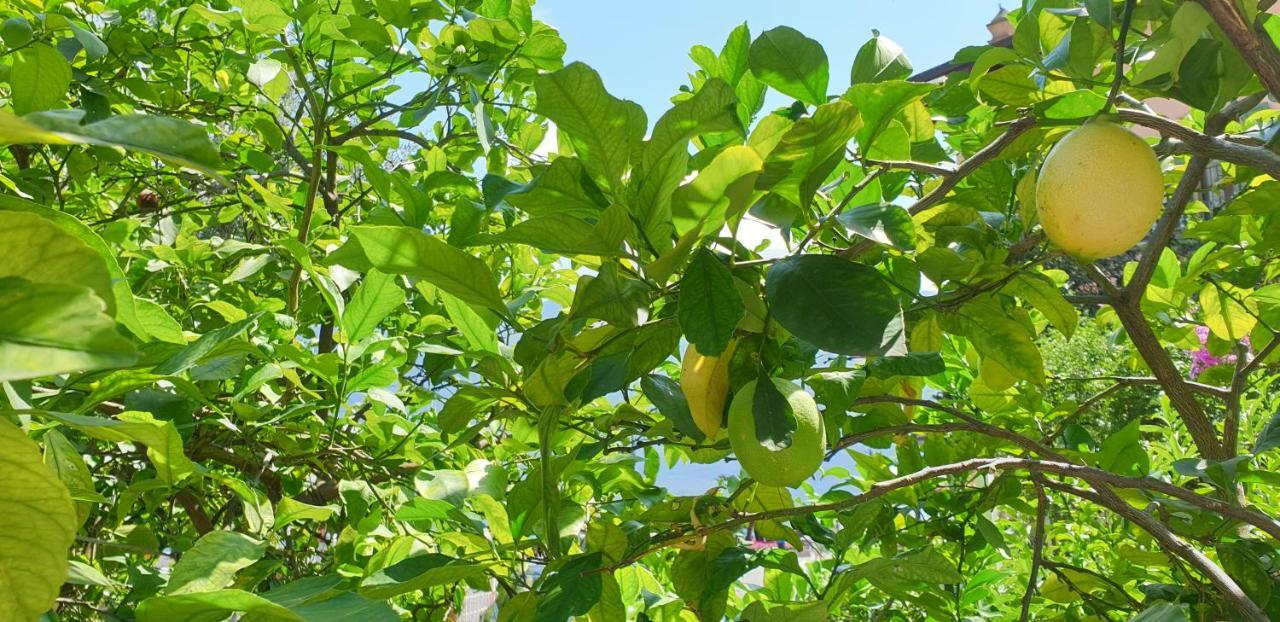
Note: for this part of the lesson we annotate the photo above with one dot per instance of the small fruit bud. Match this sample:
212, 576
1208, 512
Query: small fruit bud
148, 201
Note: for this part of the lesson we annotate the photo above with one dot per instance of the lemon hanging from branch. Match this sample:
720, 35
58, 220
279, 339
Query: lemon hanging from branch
775, 464
704, 380
1099, 191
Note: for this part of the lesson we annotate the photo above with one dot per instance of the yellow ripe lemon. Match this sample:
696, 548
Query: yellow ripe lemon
788, 466
1099, 190
704, 380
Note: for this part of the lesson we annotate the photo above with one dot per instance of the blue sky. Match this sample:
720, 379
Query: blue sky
641, 49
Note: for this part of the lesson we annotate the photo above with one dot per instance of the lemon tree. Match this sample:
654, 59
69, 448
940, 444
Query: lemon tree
383, 310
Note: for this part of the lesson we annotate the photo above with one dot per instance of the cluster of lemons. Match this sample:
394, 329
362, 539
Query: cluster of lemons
705, 383
1098, 192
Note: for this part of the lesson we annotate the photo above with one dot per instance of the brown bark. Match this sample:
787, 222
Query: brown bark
1256, 47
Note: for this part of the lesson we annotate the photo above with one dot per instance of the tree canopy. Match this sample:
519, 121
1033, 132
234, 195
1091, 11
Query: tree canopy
321, 310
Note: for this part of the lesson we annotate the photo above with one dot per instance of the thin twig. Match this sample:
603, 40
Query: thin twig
1037, 550
835, 211
1120, 47
982, 156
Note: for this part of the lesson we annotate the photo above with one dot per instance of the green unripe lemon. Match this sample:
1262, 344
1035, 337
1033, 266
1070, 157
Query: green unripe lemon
791, 465
1099, 190
16, 32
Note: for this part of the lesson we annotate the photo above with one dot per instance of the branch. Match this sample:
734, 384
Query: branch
919, 167
1171, 380
937, 428
835, 211
1239, 379
1037, 550
972, 424
1168, 225
1128, 307
879, 489
247, 466
1257, 48
1199, 387
1120, 45
1260, 358
1207, 144
1173, 544
1055, 566
199, 519
951, 180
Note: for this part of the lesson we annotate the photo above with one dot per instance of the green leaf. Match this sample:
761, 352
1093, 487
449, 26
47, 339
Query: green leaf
1247, 568
378, 295
721, 189
1099, 11
878, 60
879, 103
1161, 611
563, 187
883, 223
1225, 316
809, 151
1269, 437
1010, 85
39, 78
610, 607
665, 157
991, 533
570, 591
837, 389
792, 63
40, 251
423, 509
837, 305
212, 563
913, 364
1122, 452
144, 318
1044, 295
1178, 36
290, 510
93, 46
480, 334
408, 251
48, 329
64, 459
172, 140
762, 611
607, 538
192, 354
995, 334
666, 396
417, 573
774, 420
216, 606
709, 307
921, 566
570, 235
37, 527
1080, 104
611, 296
164, 445
711, 109
604, 130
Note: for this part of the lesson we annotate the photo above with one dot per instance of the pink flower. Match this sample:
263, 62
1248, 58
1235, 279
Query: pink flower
1201, 359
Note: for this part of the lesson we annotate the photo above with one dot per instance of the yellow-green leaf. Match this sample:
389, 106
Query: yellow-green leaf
37, 527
